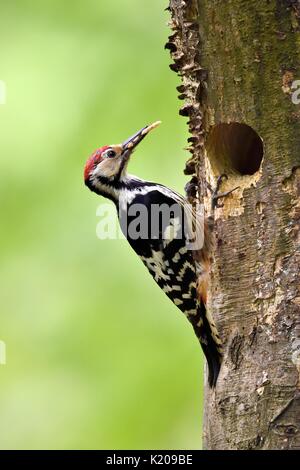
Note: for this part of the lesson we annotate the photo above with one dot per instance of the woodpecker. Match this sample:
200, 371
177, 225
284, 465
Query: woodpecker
180, 271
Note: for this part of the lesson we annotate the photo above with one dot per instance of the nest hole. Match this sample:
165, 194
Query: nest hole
234, 148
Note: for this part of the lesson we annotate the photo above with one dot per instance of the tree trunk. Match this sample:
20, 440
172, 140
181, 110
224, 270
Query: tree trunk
238, 62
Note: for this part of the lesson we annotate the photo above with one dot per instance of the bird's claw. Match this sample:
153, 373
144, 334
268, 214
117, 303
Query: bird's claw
219, 181
216, 195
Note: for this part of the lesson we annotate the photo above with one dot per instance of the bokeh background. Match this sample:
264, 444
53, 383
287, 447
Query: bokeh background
97, 356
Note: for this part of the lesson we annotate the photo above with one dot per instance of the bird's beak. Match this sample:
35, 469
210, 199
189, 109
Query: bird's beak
129, 144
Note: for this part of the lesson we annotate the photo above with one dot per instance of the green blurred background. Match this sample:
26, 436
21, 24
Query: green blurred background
97, 356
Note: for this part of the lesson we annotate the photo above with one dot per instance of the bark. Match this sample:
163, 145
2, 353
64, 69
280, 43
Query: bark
238, 61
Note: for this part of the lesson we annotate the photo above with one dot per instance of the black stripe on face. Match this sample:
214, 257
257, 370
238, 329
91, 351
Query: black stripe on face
125, 158
131, 185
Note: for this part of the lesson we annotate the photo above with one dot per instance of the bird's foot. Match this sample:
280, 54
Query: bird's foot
216, 195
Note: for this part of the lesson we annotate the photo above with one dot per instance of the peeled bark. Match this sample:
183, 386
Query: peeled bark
238, 61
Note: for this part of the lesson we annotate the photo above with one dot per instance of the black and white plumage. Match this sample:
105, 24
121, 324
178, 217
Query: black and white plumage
163, 243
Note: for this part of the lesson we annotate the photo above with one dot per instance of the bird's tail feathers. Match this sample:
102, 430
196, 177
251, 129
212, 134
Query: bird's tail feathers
207, 334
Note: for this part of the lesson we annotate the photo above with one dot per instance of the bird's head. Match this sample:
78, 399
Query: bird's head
107, 165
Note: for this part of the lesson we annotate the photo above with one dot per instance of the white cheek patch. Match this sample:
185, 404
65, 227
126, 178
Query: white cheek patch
108, 168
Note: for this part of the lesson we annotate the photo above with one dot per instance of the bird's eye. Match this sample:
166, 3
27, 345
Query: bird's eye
110, 154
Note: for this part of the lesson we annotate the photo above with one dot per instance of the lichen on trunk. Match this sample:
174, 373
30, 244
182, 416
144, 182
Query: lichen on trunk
238, 61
